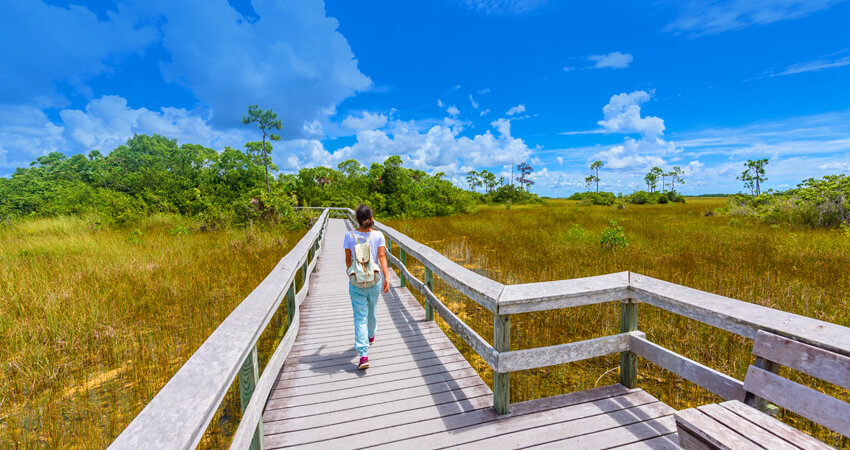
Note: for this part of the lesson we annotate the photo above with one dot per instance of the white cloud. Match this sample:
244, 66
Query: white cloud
518, 109
483, 91
560, 160
439, 103
814, 66
503, 7
569, 69
453, 111
473, 102
622, 115
366, 121
25, 134
484, 112
702, 17
613, 60
835, 166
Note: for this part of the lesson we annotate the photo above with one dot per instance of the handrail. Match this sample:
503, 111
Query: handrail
180, 413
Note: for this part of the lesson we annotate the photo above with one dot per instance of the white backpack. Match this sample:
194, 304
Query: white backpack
363, 272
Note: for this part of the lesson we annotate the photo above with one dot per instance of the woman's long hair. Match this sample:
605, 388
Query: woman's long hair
364, 216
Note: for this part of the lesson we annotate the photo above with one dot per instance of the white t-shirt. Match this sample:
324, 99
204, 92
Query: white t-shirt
376, 242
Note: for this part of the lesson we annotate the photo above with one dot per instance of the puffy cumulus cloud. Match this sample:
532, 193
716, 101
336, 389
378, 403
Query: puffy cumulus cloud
291, 58
439, 147
701, 17
108, 122
613, 60
518, 109
366, 121
26, 133
635, 154
68, 45
622, 115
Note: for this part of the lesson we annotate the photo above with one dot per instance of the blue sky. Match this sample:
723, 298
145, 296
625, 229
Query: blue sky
450, 85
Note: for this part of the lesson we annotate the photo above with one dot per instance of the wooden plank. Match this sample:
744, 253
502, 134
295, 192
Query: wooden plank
429, 284
716, 382
739, 317
755, 401
530, 297
564, 353
349, 365
483, 423
628, 363
306, 398
501, 378
628, 434
403, 261
179, 414
293, 364
398, 405
693, 423
352, 374
746, 428
817, 362
344, 431
809, 403
353, 383
785, 431
283, 410
248, 377
666, 442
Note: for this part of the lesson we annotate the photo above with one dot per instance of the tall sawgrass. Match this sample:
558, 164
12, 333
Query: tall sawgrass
795, 269
94, 320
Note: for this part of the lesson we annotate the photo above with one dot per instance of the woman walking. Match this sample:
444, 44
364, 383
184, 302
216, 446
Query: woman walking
363, 247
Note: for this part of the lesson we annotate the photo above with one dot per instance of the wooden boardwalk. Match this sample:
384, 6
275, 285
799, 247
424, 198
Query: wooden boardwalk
420, 391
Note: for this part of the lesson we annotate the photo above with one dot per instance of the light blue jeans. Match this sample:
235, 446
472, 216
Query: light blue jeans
364, 302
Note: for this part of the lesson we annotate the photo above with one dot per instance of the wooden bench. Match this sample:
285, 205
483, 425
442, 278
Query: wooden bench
734, 425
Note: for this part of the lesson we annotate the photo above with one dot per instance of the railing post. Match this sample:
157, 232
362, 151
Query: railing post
249, 375
403, 258
628, 363
429, 283
290, 302
502, 380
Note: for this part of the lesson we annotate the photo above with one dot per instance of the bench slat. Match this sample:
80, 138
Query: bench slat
776, 427
817, 362
746, 428
697, 430
809, 403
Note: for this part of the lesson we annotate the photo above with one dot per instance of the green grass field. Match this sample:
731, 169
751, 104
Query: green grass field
801, 270
93, 322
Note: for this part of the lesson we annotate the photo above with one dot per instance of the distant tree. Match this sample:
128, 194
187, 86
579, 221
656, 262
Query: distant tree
266, 121
596, 166
473, 179
753, 175
651, 180
588, 180
489, 180
676, 177
525, 170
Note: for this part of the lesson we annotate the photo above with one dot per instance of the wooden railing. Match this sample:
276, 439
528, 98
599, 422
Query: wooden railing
627, 288
180, 413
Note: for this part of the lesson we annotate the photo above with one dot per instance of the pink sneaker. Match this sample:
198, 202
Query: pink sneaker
364, 363
371, 340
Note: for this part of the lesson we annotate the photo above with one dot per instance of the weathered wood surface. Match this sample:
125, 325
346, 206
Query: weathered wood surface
564, 353
817, 362
420, 392
777, 428
698, 430
180, 413
530, 297
742, 318
717, 382
821, 408
752, 431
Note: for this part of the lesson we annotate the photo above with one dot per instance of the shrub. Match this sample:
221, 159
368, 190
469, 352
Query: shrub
613, 237
663, 199
601, 198
641, 198
135, 237
576, 233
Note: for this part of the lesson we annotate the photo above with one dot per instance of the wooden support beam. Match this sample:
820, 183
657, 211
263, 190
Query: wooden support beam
502, 380
429, 283
248, 376
290, 302
403, 258
756, 401
628, 361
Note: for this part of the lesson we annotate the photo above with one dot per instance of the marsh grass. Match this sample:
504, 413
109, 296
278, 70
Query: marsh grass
794, 269
94, 320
